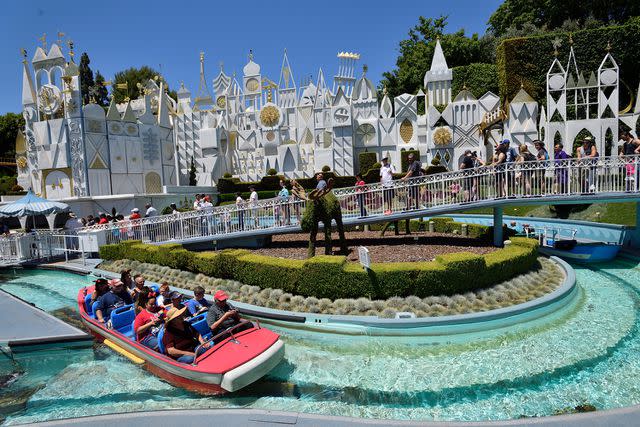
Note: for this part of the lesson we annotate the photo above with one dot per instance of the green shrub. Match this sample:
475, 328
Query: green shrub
333, 277
367, 161
477, 77
272, 172
326, 168
227, 175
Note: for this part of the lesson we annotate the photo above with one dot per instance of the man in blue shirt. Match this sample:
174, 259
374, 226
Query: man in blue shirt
322, 184
116, 297
198, 304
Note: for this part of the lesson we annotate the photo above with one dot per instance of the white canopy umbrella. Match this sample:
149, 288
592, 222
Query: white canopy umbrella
31, 205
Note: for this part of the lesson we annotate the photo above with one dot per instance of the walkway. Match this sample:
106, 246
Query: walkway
606, 179
25, 325
257, 417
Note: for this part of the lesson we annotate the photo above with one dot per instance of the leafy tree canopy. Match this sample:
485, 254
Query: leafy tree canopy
10, 124
515, 16
416, 53
132, 77
99, 91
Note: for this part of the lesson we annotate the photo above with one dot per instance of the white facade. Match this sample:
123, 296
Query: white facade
248, 125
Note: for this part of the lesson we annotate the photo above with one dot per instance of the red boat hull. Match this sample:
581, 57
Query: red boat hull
227, 366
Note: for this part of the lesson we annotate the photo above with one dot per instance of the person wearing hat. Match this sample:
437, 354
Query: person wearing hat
101, 288
221, 315
386, 179
135, 214
176, 299
125, 277
117, 297
180, 338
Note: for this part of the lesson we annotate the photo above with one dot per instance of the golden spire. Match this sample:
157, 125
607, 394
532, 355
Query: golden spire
71, 53
365, 68
43, 39
570, 38
608, 46
23, 52
60, 37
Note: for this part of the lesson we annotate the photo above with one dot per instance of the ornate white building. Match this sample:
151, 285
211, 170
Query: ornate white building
250, 124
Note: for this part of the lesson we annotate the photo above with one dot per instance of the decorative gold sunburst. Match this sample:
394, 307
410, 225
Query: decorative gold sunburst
270, 116
442, 136
221, 102
22, 162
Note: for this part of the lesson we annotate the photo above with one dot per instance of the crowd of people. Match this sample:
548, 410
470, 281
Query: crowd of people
163, 310
516, 172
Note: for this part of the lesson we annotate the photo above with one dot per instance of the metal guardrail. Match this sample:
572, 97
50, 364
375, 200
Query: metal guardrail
536, 180
39, 246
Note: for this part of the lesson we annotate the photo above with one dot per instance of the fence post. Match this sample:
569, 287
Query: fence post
66, 254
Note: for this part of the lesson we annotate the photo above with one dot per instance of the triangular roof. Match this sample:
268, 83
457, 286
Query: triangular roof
55, 52
128, 115
364, 89
340, 98
438, 62
464, 95
221, 82
286, 74
40, 55
112, 113
522, 96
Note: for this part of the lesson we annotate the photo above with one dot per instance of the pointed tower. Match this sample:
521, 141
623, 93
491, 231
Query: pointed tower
438, 79
364, 97
286, 84
203, 100
29, 147
220, 85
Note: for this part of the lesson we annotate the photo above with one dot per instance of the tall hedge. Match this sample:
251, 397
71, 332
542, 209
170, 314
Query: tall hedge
478, 78
526, 60
333, 277
366, 161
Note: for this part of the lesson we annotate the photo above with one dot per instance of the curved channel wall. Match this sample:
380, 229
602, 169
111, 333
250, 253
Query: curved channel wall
426, 326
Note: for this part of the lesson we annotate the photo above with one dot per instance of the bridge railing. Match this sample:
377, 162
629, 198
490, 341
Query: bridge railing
535, 179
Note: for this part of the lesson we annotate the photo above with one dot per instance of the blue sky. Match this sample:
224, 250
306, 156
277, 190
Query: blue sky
169, 35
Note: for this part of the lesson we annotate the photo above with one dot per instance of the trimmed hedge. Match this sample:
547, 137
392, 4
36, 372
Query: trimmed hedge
327, 276
366, 161
477, 77
526, 60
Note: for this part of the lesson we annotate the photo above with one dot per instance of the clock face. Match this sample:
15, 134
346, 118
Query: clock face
50, 99
341, 115
253, 85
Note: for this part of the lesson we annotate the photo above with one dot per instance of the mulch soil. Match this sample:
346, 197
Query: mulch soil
418, 246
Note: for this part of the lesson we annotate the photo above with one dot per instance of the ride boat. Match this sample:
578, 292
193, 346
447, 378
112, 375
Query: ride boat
234, 358
571, 248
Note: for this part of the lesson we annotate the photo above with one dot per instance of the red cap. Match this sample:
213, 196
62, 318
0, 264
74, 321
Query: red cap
220, 296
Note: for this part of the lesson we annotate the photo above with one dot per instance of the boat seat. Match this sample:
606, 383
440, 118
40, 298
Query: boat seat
199, 323
87, 304
93, 310
133, 335
161, 348
122, 319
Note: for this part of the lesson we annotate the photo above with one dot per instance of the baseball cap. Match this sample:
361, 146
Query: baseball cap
115, 282
100, 280
505, 142
135, 210
176, 295
220, 296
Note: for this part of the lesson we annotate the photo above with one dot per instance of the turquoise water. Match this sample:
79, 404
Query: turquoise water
587, 353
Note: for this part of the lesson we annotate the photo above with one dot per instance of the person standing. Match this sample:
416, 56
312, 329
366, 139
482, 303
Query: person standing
208, 222
630, 150
240, 211
561, 172
134, 230
196, 203
360, 191
499, 165
386, 179
285, 209
542, 155
588, 156
414, 170
253, 204
71, 227
151, 211
467, 165
152, 229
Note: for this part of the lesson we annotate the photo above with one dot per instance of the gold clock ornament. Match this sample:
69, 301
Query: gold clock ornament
442, 136
221, 102
22, 162
50, 99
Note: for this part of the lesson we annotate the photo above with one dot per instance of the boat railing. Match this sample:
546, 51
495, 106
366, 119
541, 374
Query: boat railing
227, 333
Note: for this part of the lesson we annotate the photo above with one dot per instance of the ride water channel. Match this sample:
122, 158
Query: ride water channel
584, 354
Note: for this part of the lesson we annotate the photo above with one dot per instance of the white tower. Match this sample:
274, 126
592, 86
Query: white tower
346, 73
438, 79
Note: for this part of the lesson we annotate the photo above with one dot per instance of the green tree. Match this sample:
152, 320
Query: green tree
10, 124
417, 51
86, 78
99, 91
192, 173
132, 77
517, 15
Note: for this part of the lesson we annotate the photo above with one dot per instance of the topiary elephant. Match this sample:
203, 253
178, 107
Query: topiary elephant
323, 207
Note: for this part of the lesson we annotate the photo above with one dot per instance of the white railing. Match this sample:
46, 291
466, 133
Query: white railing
568, 178
39, 245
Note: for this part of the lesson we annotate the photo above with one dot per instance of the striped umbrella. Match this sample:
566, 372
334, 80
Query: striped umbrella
31, 205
